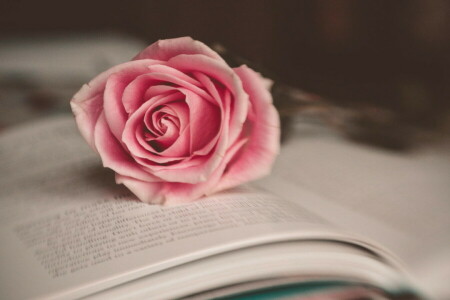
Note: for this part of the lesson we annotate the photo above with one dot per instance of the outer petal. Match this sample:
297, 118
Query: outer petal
149, 192
86, 114
177, 193
171, 193
256, 158
166, 49
112, 101
87, 103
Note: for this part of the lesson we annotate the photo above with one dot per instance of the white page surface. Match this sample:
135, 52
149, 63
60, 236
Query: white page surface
401, 200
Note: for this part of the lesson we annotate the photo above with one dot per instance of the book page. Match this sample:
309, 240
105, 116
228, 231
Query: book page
401, 200
67, 230
283, 259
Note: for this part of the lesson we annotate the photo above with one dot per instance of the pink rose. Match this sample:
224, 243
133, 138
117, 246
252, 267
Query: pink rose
177, 122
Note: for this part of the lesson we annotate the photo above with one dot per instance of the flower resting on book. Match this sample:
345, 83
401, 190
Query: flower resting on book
177, 123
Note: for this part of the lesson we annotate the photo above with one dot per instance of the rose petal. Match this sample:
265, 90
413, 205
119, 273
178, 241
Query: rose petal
215, 91
176, 193
210, 87
173, 193
87, 103
136, 93
156, 90
114, 111
180, 147
164, 69
138, 90
86, 114
166, 49
256, 158
205, 120
221, 72
149, 192
113, 155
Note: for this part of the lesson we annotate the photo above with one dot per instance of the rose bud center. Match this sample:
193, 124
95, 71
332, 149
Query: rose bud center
162, 127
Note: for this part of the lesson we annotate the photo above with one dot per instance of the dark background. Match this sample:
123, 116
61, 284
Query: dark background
392, 54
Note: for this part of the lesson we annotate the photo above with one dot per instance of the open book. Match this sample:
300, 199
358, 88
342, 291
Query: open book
67, 231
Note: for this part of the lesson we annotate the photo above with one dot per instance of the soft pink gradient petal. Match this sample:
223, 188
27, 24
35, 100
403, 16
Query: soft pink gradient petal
141, 89
148, 192
152, 160
221, 72
178, 163
178, 193
164, 69
113, 155
157, 90
172, 193
87, 103
112, 102
205, 120
166, 49
137, 92
257, 156
199, 170
86, 114
129, 135
215, 91
209, 86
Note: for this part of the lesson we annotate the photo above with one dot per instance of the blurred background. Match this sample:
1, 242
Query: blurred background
388, 56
